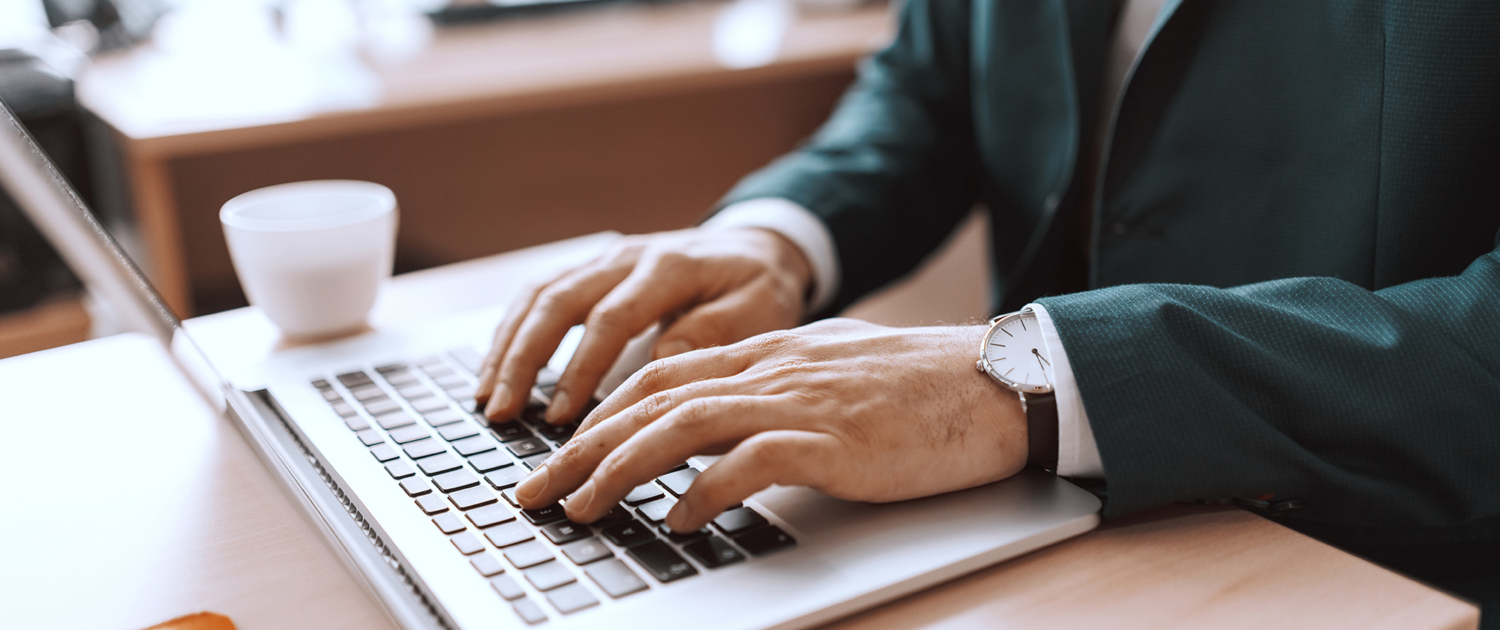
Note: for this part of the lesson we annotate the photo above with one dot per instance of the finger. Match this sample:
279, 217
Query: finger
731, 318
558, 307
514, 315
789, 458
665, 375
572, 464
696, 427
652, 291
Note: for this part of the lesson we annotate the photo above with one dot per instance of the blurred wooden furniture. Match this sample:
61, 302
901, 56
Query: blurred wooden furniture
53, 323
206, 528
494, 136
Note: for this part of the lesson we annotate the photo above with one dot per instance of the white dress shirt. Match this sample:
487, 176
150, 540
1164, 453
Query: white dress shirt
1078, 454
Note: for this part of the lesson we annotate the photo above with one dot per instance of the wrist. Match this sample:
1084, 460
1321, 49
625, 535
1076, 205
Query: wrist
988, 403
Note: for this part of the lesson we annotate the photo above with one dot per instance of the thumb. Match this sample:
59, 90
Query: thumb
729, 319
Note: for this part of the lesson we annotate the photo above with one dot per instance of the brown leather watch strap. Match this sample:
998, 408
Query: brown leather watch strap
1041, 431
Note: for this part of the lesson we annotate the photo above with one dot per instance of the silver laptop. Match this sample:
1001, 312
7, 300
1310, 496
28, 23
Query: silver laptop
376, 437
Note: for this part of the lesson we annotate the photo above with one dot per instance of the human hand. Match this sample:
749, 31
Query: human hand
706, 287
851, 409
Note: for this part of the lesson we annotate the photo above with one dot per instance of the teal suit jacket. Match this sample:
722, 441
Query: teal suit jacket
1288, 285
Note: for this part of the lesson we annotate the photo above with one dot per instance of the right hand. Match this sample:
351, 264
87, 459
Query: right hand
706, 288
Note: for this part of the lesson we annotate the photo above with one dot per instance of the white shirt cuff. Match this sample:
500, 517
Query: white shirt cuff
1077, 454
798, 225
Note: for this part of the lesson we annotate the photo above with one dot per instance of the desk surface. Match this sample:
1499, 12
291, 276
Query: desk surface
158, 508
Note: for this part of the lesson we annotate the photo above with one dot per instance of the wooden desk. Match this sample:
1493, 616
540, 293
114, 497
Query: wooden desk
1176, 567
523, 132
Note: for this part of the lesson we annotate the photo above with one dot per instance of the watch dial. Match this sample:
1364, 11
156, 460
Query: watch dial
1016, 352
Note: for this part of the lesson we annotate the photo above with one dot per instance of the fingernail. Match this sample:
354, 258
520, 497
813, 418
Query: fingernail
679, 516
578, 504
673, 348
558, 407
499, 400
533, 485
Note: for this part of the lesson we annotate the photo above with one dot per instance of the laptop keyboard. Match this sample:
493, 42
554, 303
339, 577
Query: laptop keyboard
418, 420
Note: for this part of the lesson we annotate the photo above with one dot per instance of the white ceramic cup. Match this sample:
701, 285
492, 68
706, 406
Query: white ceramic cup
313, 255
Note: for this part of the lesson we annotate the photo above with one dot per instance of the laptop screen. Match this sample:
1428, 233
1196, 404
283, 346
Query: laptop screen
55, 208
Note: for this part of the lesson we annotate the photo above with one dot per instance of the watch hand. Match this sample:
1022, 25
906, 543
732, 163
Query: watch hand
1039, 357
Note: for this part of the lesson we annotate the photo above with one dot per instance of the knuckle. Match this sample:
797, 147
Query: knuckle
762, 450
693, 414
772, 342
655, 405
611, 317
655, 375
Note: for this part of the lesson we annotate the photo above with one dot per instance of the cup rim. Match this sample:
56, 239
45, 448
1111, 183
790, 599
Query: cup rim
381, 202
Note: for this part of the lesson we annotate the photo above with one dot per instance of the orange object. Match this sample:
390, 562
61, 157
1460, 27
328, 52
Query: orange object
196, 621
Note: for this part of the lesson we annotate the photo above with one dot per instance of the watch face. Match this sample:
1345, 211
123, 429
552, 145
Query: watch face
1016, 354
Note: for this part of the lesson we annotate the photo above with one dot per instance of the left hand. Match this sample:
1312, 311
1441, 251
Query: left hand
851, 409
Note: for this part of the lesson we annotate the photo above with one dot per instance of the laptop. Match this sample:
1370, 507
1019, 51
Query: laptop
376, 438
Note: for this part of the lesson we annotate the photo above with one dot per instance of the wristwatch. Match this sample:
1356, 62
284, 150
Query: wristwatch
1014, 356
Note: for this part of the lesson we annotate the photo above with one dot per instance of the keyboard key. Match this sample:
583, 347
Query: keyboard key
367, 392
559, 433
506, 477
491, 460
527, 554
320, 383
405, 435
423, 448
615, 578
415, 486
474, 445
680, 539
384, 452
395, 420
531, 463
571, 598
656, 511
738, 520
369, 437
614, 516
527, 446
468, 358
451, 381
471, 498
456, 480
467, 544
458, 431
487, 565
399, 469
535, 413
677, 483
544, 515
448, 523
563, 532
587, 550
354, 379
390, 367
490, 516
463, 394
644, 493
764, 541
439, 464
410, 391
661, 561
400, 378
509, 494
507, 587
629, 534
549, 575
512, 533
713, 552
344, 409
548, 377
436, 368
432, 504
678, 467
356, 423
431, 405
507, 431
329, 395
529, 611
381, 405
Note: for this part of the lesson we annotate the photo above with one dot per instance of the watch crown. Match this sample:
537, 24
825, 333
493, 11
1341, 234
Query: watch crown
979, 365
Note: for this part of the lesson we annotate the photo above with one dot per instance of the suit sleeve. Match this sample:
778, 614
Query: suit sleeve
1377, 409
891, 173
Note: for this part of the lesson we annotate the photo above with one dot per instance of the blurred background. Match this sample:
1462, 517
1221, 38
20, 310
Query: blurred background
499, 124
